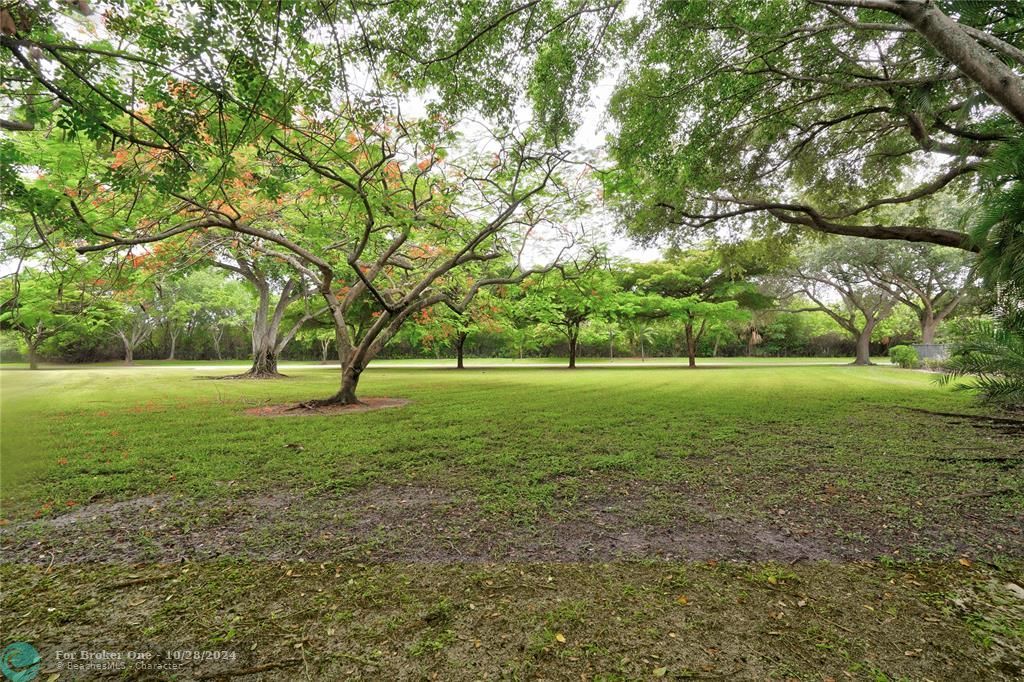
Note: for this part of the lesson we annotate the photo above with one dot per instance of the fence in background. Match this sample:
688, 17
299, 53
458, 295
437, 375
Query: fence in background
931, 351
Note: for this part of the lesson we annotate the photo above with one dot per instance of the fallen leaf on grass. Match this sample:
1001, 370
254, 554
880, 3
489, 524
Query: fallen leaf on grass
659, 672
682, 599
560, 638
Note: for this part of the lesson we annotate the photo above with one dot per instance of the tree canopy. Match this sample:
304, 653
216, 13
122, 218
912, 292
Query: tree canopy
816, 115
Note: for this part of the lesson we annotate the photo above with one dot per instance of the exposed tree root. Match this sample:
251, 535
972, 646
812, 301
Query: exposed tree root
251, 375
325, 402
326, 406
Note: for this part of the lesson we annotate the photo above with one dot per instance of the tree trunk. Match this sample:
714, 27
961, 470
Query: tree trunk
691, 346
928, 326
949, 39
174, 342
33, 358
863, 348
264, 353
572, 349
129, 353
325, 346
264, 364
265, 350
216, 343
349, 383
460, 344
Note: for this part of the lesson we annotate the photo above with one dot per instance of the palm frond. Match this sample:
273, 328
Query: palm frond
991, 352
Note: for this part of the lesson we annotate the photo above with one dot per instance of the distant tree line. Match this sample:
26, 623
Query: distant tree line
841, 298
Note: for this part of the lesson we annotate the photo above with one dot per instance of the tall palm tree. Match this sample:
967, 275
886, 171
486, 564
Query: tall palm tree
637, 333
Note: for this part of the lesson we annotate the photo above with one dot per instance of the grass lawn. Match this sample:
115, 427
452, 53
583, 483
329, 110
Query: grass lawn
747, 522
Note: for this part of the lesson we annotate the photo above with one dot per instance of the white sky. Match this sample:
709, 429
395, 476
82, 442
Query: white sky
592, 135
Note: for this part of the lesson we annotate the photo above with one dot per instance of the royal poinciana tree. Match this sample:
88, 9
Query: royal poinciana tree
304, 107
374, 217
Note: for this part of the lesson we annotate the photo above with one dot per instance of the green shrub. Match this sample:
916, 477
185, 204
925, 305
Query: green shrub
991, 351
904, 356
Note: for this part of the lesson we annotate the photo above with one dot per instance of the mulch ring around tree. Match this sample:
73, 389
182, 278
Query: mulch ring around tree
306, 410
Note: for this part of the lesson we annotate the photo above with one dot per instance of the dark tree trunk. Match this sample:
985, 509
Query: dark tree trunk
345, 396
264, 365
573, 336
691, 346
349, 383
460, 345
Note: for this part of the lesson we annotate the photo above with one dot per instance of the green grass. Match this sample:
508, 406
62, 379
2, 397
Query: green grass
506, 435
517, 461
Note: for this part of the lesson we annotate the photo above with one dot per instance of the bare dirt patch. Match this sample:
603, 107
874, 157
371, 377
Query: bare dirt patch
301, 410
434, 524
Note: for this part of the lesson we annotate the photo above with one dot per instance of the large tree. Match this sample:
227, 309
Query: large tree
701, 288
931, 281
830, 276
373, 209
374, 216
41, 303
567, 300
816, 114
